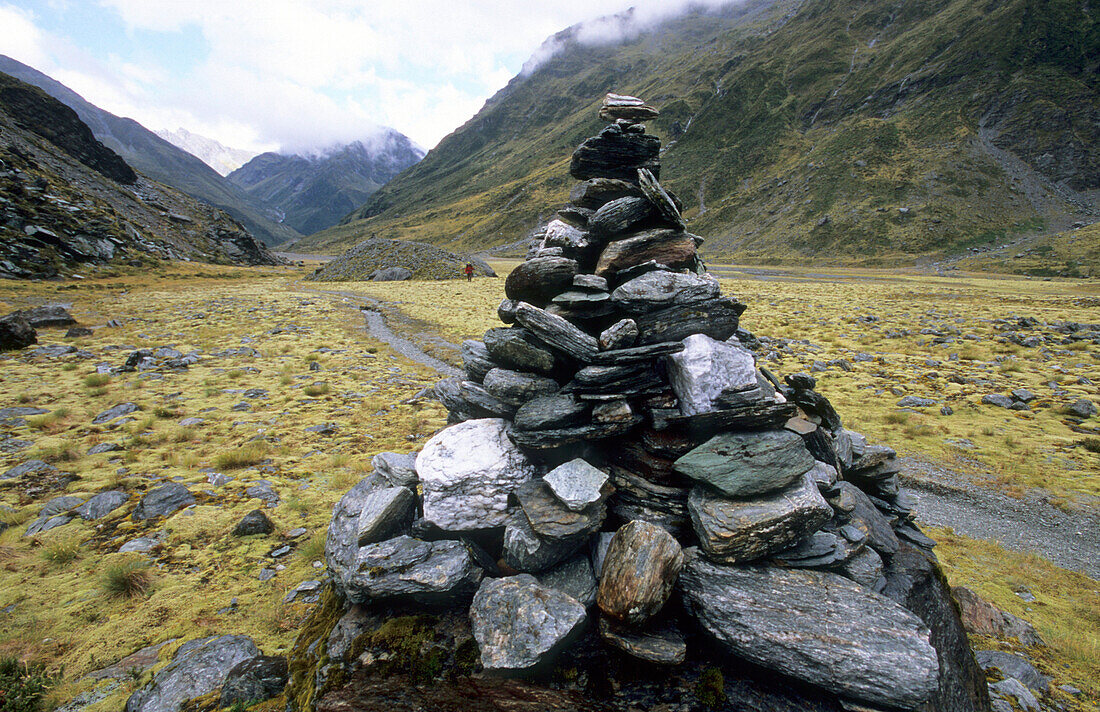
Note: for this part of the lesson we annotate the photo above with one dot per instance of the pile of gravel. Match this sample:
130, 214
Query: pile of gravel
393, 260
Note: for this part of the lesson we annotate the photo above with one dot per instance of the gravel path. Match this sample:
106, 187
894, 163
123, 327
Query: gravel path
376, 326
1031, 524
945, 499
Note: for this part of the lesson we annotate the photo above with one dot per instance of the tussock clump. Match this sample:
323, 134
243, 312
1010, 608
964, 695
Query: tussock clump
426, 262
244, 456
127, 579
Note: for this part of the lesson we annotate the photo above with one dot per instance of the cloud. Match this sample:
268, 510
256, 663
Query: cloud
304, 75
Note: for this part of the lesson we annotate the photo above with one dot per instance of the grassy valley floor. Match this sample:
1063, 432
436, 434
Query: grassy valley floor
66, 597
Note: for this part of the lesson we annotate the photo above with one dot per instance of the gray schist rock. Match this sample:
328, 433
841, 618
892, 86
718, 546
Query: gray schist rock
399, 469
639, 572
342, 539
16, 332
707, 369
616, 216
596, 192
385, 513
524, 550
660, 198
551, 519
426, 571
517, 388
817, 627
866, 569
658, 289
250, 681
162, 501
101, 505
748, 464
198, 668
742, 530
538, 280
522, 625
576, 483
557, 332
672, 248
573, 578
515, 348
551, 412
620, 335
255, 522
115, 412
30, 467
662, 644
467, 472
475, 360
866, 517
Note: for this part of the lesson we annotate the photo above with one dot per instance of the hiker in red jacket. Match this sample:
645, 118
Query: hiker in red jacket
469, 272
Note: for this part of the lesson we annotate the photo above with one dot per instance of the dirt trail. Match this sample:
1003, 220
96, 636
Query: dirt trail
1029, 524
945, 498
376, 326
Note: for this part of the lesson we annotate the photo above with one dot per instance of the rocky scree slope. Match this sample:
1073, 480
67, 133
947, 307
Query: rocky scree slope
68, 203
622, 488
315, 192
159, 159
797, 129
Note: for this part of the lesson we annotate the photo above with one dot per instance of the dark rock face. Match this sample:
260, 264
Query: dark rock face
47, 315
162, 501
914, 580
816, 627
255, 522
16, 333
115, 412
200, 666
40, 113
260, 678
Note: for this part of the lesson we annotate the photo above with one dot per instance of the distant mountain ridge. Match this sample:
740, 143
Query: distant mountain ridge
159, 159
69, 204
864, 132
315, 191
218, 156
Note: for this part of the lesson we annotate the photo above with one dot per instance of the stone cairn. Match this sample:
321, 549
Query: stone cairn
616, 458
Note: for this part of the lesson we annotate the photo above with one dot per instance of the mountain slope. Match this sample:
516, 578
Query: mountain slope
223, 159
157, 158
315, 192
867, 131
69, 204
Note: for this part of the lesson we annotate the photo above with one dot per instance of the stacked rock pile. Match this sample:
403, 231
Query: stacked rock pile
616, 462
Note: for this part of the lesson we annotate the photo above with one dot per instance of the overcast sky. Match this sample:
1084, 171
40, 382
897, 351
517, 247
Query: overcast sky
294, 74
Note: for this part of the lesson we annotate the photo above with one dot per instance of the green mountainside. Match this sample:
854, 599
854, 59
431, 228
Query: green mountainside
864, 131
158, 159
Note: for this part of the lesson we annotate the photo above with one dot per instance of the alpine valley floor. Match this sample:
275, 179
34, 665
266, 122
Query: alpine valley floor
289, 389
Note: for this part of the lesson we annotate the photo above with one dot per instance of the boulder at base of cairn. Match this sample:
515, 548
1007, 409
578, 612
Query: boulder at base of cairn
815, 626
520, 624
